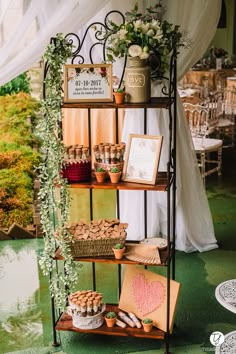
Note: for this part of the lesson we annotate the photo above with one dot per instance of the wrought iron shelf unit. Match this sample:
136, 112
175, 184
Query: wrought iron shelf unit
166, 183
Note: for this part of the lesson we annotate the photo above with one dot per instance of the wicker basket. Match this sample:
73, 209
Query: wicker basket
78, 171
108, 166
102, 247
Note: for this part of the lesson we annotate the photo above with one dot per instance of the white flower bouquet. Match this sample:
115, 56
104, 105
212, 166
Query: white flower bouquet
144, 36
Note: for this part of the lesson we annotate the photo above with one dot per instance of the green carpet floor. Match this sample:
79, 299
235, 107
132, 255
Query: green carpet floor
25, 318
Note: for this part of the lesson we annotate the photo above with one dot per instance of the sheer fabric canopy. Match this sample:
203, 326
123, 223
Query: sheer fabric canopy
27, 25
22, 45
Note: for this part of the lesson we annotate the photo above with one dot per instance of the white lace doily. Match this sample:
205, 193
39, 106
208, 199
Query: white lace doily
229, 345
225, 294
161, 243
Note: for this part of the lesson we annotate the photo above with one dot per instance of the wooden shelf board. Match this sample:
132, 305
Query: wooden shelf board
155, 102
161, 184
65, 324
112, 260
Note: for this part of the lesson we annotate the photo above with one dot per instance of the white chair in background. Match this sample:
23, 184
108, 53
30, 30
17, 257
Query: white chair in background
226, 124
198, 90
202, 122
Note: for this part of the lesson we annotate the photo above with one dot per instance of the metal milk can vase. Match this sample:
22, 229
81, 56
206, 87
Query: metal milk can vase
137, 81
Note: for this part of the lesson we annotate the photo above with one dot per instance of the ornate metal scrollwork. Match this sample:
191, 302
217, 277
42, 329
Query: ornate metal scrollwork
98, 34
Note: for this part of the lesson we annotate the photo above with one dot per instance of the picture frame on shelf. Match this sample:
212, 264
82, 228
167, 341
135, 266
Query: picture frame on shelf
88, 83
142, 158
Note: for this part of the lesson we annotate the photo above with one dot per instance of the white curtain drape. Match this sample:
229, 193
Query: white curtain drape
27, 25
194, 227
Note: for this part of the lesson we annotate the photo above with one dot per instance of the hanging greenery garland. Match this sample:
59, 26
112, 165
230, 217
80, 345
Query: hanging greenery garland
55, 201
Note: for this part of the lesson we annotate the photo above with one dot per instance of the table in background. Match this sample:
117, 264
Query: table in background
213, 76
189, 96
231, 82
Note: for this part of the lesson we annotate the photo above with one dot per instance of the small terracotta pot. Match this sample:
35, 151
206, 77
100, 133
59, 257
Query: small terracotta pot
114, 176
119, 97
119, 252
101, 176
147, 327
110, 322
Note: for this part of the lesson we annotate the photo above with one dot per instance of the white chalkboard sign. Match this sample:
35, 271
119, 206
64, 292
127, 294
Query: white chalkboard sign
88, 83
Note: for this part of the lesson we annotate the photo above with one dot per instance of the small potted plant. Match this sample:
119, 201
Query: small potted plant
147, 324
100, 174
110, 319
114, 174
119, 95
118, 250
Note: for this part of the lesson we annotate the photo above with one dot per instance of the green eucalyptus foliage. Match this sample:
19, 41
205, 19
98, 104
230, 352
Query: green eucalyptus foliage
20, 84
18, 158
55, 200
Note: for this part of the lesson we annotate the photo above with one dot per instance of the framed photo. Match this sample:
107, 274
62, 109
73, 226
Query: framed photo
88, 83
142, 158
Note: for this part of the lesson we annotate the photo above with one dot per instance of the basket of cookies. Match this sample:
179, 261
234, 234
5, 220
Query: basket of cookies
97, 237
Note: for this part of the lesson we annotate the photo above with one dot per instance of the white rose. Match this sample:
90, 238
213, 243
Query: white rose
135, 50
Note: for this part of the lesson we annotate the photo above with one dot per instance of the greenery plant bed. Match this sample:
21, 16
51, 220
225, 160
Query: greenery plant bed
20, 84
18, 158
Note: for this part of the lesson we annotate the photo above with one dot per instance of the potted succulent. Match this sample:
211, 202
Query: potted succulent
100, 174
110, 319
119, 95
118, 250
147, 324
114, 174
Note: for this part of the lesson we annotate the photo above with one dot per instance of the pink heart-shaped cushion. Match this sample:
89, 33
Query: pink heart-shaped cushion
148, 296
